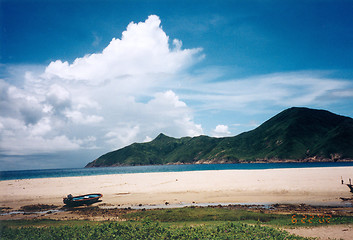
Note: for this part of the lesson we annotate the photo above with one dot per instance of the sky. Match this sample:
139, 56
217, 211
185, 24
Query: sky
81, 78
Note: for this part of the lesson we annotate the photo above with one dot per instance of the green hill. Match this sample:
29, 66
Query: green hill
299, 134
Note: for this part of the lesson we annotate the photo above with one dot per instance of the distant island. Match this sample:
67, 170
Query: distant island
294, 135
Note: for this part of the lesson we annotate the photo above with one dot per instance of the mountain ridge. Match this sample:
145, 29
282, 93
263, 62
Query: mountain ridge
295, 134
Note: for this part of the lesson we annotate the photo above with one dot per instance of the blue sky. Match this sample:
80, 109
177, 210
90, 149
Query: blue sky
80, 78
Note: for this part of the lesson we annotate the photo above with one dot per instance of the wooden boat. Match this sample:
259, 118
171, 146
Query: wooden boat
87, 199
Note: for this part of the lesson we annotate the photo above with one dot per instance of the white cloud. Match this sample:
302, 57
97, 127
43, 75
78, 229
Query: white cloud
165, 101
41, 128
122, 136
95, 101
16, 103
172, 116
143, 49
148, 139
221, 131
17, 139
164, 113
79, 118
58, 96
253, 94
137, 87
341, 93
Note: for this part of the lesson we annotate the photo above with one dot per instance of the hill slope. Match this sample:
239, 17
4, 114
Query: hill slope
294, 134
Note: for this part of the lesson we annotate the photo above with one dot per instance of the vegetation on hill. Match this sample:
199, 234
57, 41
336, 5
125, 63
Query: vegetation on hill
300, 134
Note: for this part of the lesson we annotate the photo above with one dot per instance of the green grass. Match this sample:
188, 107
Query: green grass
190, 214
197, 215
147, 229
178, 223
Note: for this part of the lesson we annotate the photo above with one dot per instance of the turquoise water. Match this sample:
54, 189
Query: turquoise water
74, 172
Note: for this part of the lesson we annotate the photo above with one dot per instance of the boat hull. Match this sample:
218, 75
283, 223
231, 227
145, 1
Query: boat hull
87, 199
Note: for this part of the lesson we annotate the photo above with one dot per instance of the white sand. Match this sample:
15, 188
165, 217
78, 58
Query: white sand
308, 185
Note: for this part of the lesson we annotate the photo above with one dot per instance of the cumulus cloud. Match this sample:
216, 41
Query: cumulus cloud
165, 112
58, 97
16, 103
102, 100
221, 131
173, 116
17, 138
135, 88
143, 49
79, 118
122, 135
37, 144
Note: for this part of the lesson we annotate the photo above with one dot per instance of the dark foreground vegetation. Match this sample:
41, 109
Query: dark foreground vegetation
147, 230
182, 223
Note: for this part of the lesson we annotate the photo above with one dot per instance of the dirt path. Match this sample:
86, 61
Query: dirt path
325, 232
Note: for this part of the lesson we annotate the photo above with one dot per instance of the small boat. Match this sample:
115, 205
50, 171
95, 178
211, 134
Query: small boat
87, 199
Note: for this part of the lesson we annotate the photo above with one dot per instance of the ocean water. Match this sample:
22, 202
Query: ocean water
74, 172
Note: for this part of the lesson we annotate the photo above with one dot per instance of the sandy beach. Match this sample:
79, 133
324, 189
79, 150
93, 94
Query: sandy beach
320, 186
290, 188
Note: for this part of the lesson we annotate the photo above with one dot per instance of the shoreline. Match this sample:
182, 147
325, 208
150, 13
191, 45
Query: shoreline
122, 169
312, 186
208, 162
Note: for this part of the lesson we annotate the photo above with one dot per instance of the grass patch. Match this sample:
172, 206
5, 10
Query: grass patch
147, 229
188, 214
197, 215
178, 223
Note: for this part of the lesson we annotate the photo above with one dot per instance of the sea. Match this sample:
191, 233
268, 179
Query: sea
75, 172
